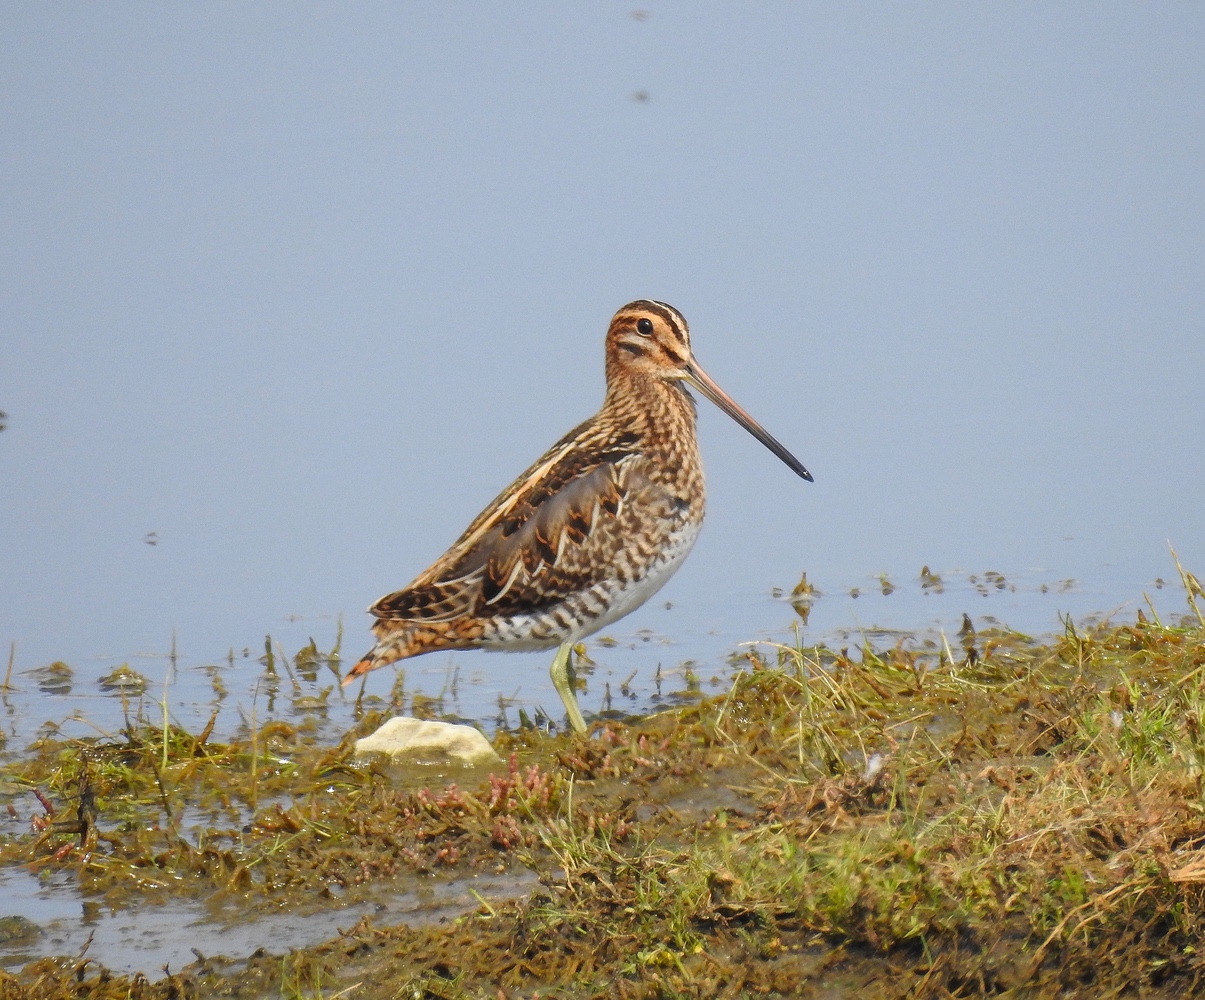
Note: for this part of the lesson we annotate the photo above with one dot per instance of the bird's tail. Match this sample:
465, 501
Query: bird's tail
389, 649
397, 640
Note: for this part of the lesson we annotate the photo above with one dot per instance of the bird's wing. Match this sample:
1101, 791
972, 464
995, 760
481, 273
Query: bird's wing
533, 545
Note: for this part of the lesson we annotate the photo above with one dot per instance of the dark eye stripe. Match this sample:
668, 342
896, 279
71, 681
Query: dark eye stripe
674, 319
673, 357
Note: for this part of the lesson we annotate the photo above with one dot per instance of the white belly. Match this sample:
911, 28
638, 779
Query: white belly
586, 612
627, 600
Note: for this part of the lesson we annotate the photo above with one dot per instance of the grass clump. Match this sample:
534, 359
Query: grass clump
1024, 821
1021, 818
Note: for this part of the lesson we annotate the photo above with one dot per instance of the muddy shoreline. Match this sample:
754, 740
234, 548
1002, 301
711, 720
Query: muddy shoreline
1009, 817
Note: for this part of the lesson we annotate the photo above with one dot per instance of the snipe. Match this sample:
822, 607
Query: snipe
591, 531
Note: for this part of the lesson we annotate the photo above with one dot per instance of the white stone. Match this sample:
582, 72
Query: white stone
418, 741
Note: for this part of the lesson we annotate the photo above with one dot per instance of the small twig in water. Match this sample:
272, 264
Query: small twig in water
171, 822
1154, 614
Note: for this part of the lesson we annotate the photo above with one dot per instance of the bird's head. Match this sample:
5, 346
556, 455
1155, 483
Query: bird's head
650, 339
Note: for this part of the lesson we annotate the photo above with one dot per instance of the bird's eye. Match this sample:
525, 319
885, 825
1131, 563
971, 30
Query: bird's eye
644, 327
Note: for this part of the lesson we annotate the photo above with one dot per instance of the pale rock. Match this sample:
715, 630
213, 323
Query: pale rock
418, 741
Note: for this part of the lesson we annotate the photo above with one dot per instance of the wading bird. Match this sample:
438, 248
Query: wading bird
591, 531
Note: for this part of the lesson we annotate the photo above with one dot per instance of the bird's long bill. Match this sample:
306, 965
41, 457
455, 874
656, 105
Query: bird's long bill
706, 385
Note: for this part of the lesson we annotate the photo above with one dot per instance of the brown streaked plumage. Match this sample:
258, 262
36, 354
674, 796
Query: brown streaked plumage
590, 531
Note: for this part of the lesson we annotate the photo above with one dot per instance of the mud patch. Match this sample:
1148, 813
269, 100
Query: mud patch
1006, 817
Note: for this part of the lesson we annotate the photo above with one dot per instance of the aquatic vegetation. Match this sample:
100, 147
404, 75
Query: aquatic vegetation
985, 814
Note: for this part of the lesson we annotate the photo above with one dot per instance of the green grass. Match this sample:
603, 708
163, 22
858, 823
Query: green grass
1017, 818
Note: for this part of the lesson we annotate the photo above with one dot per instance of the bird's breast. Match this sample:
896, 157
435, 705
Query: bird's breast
631, 563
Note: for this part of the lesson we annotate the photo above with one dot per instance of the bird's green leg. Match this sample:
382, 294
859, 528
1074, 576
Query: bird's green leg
562, 680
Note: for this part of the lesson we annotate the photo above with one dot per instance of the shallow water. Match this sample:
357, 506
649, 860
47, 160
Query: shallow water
148, 936
684, 650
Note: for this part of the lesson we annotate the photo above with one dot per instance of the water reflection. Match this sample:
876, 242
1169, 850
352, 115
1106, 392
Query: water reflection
47, 915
